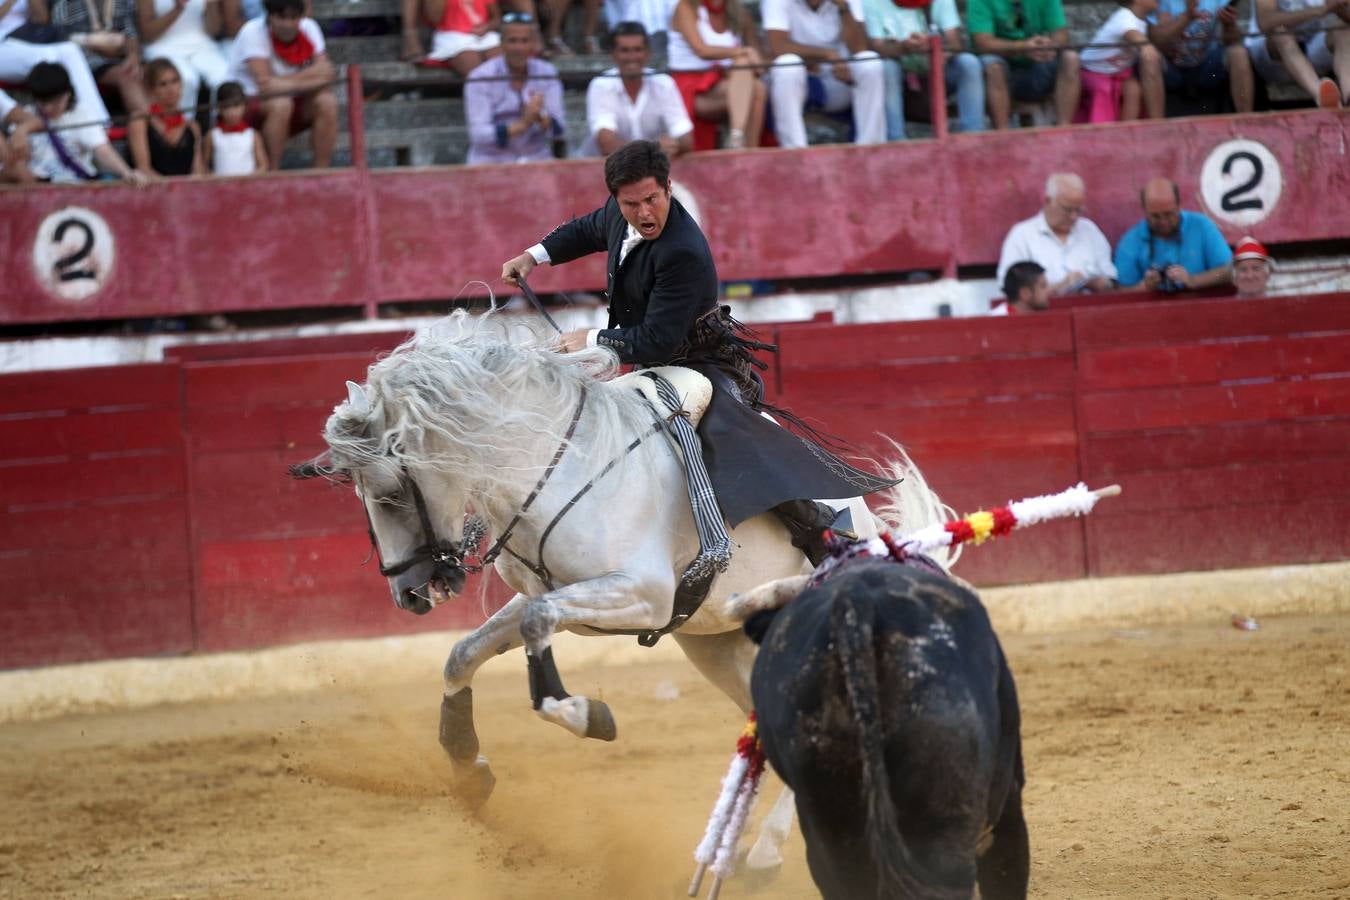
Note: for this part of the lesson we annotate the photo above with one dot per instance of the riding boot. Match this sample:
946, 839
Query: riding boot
806, 522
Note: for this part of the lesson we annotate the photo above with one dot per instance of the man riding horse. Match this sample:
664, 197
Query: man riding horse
663, 310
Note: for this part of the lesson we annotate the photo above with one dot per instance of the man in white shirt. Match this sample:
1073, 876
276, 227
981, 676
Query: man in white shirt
1074, 252
630, 102
822, 61
279, 58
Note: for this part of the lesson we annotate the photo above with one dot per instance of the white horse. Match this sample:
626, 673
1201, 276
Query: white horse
477, 428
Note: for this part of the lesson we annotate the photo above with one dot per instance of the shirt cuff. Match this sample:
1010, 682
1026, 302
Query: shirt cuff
590, 337
540, 257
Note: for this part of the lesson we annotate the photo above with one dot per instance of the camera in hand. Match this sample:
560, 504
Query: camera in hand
1165, 283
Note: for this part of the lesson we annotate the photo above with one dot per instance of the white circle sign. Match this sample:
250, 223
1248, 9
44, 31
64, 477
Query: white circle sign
1241, 182
73, 253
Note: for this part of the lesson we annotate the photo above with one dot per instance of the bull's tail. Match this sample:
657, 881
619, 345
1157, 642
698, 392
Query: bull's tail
912, 504
852, 627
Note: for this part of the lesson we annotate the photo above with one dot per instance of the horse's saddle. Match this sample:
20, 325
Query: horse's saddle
694, 389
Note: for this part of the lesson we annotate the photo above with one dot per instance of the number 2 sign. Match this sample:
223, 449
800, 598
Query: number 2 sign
1241, 182
73, 253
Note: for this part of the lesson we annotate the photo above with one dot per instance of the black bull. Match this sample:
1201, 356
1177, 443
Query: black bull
885, 703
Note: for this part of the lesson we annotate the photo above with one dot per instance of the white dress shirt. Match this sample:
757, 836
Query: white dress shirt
1086, 250
657, 109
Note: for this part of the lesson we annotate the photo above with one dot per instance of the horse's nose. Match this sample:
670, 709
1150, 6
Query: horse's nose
414, 603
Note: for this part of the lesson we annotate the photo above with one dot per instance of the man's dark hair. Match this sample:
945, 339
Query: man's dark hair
1020, 275
635, 161
281, 7
627, 29
48, 80
230, 93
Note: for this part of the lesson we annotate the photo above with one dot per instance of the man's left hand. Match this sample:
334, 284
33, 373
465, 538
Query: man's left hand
573, 341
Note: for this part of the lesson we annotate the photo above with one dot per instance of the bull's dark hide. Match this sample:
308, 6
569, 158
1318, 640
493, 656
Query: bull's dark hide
885, 703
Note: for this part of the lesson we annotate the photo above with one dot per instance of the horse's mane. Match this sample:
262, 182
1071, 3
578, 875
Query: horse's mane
486, 400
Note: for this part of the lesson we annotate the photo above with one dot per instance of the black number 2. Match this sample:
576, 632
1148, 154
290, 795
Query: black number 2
66, 265
1229, 202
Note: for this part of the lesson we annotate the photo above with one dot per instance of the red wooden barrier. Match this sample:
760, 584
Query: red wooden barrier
94, 554
359, 238
1226, 422
985, 407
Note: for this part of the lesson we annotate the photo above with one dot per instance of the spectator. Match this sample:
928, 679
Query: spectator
900, 35
706, 38
513, 102
1202, 48
1023, 48
232, 147
184, 32
1025, 290
1115, 77
653, 14
1071, 249
554, 45
14, 150
1171, 249
106, 31
466, 36
71, 148
24, 44
1289, 41
631, 102
280, 61
821, 61
1252, 266
166, 142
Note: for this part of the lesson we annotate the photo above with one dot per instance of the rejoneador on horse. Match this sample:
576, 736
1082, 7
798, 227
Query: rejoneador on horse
596, 501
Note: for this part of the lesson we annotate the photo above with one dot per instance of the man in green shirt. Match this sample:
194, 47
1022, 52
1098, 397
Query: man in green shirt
1022, 45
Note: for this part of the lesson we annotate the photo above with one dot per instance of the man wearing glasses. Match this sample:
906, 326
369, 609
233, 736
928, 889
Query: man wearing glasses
1073, 251
513, 102
1172, 249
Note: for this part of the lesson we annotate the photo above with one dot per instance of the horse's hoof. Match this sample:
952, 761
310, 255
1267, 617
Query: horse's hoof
600, 721
473, 783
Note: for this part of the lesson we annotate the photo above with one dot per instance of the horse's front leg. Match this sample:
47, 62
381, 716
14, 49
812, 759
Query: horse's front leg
473, 778
615, 601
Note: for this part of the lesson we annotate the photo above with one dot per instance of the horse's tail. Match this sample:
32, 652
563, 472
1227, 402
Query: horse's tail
912, 504
853, 624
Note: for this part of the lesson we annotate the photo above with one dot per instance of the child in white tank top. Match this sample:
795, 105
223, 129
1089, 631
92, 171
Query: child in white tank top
233, 147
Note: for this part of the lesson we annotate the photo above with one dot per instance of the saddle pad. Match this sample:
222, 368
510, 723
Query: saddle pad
694, 389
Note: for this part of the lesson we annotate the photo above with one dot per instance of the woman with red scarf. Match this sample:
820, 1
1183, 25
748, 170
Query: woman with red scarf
165, 142
707, 39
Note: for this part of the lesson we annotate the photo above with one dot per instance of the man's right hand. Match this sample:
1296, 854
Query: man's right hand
515, 269
1042, 48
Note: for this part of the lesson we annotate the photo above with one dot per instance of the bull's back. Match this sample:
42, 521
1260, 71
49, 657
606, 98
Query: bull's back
926, 646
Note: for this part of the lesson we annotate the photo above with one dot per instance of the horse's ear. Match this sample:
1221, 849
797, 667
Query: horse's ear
320, 466
356, 397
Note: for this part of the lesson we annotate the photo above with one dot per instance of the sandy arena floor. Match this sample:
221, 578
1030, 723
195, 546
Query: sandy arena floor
1170, 761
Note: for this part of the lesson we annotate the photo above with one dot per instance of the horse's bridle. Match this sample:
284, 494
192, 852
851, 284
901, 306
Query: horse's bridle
449, 558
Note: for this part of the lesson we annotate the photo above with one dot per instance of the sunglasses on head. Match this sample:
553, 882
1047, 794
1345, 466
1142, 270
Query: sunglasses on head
517, 18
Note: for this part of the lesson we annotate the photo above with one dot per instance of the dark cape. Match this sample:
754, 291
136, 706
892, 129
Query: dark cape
663, 311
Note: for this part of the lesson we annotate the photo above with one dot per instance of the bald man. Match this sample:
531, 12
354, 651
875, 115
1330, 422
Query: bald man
1172, 249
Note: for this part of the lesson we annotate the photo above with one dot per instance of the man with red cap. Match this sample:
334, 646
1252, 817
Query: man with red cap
1252, 266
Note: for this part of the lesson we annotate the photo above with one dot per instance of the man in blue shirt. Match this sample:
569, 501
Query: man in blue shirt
1171, 249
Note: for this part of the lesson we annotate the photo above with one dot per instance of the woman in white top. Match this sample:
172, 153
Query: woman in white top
1121, 68
707, 37
184, 32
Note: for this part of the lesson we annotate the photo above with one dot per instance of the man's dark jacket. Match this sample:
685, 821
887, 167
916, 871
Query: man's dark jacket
663, 286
